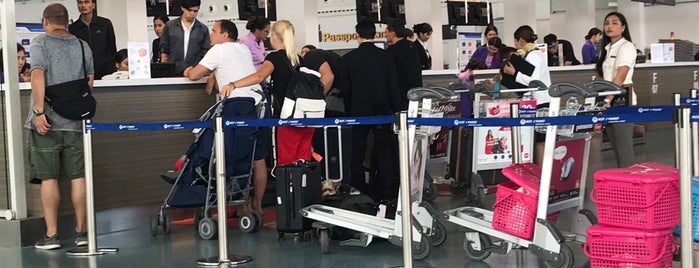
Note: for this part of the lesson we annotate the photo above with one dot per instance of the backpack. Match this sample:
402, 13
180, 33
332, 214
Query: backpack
304, 95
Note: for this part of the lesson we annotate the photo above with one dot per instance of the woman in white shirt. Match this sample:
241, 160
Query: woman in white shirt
616, 64
526, 48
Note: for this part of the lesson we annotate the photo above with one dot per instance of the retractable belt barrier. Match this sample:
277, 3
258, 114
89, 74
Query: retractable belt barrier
612, 115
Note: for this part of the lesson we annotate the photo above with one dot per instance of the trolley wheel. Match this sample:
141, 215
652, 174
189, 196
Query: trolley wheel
324, 240
481, 254
458, 188
166, 224
258, 221
154, 224
198, 215
439, 234
248, 222
422, 249
563, 260
208, 228
429, 191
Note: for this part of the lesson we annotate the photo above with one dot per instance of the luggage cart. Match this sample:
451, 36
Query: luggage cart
500, 153
543, 239
427, 230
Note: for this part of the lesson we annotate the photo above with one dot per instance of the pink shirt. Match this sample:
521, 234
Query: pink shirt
257, 49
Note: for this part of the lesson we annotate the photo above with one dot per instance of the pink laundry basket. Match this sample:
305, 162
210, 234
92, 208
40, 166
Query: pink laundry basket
643, 196
618, 247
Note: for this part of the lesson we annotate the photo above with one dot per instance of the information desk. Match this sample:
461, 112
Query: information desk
127, 165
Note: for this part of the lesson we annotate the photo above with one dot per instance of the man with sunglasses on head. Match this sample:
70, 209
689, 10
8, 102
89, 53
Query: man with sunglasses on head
185, 40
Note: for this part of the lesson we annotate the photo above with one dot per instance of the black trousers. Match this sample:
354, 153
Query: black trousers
384, 171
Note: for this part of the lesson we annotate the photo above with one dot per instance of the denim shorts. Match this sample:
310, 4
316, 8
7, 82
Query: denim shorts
56, 153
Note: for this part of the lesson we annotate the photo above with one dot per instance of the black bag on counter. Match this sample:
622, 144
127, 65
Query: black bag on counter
72, 99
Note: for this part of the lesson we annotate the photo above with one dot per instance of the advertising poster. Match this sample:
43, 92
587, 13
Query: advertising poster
493, 145
440, 143
139, 60
417, 169
567, 169
468, 43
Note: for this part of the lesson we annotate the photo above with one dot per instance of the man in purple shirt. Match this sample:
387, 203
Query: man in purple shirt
259, 30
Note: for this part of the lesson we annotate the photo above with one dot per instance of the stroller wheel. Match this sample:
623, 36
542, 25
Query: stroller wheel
258, 220
154, 224
208, 228
248, 222
166, 224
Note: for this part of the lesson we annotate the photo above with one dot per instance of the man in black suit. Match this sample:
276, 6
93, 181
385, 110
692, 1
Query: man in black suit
373, 90
406, 58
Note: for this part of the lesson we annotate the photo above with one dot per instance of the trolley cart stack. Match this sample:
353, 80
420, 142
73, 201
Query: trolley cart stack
519, 220
427, 231
638, 207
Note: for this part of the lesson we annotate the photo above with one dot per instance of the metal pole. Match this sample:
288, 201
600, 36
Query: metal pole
676, 100
404, 160
695, 140
221, 198
683, 127
516, 148
91, 248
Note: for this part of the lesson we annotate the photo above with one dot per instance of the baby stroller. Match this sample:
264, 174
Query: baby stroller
194, 184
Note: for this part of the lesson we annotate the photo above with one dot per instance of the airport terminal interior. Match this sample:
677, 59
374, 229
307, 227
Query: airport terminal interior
127, 162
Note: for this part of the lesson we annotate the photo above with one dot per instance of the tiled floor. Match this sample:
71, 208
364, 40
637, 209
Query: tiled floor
137, 248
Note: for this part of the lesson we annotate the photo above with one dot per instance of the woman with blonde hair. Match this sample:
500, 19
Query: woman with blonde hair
296, 143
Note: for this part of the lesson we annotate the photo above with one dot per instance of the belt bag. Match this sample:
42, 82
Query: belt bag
72, 99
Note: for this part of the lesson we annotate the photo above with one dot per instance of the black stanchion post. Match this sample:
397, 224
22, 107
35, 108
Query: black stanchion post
677, 101
91, 248
221, 198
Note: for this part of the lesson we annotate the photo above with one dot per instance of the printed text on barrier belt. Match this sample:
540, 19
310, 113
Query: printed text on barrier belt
543, 121
344, 121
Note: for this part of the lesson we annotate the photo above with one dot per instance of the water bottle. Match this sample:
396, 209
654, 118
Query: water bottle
572, 103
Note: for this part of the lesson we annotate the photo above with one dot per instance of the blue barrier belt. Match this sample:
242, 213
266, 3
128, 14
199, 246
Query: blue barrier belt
632, 114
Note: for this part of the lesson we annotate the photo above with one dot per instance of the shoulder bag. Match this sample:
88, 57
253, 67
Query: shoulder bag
72, 99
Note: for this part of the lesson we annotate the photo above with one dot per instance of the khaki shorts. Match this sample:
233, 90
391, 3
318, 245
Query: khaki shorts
56, 153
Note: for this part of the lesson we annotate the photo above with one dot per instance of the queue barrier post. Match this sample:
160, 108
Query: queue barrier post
91, 248
223, 257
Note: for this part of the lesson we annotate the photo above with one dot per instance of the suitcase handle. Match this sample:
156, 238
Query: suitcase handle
339, 146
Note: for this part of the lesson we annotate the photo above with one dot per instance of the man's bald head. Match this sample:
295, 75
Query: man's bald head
56, 13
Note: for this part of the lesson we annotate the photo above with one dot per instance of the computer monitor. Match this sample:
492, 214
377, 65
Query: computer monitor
160, 70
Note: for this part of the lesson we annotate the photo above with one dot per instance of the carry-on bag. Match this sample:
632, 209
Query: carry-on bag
298, 186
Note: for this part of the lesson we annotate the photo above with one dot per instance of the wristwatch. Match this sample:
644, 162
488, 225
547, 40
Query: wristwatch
37, 112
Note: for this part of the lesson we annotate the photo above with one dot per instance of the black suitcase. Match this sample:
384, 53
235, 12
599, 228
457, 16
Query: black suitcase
298, 186
330, 143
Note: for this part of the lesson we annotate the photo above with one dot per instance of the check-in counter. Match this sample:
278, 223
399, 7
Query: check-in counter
127, 165
654, 84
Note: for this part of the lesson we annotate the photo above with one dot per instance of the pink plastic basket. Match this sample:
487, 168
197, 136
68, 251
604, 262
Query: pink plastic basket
514, 212
617, 247
643, 196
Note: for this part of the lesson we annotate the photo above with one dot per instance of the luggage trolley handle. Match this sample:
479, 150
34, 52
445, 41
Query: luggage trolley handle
339, 151
599, 88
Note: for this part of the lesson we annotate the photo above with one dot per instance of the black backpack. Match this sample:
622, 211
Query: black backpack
304, 95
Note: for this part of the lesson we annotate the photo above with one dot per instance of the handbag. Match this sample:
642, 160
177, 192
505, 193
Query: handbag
334, 101
72, 99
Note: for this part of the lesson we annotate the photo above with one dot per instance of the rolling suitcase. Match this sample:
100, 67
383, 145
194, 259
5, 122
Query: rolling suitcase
334, 143
298, 186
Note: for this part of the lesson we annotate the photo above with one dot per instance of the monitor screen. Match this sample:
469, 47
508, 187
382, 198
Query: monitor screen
367, 10
665, 2
249, 8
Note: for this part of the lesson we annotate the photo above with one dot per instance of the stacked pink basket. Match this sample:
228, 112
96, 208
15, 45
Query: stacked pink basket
637, 208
